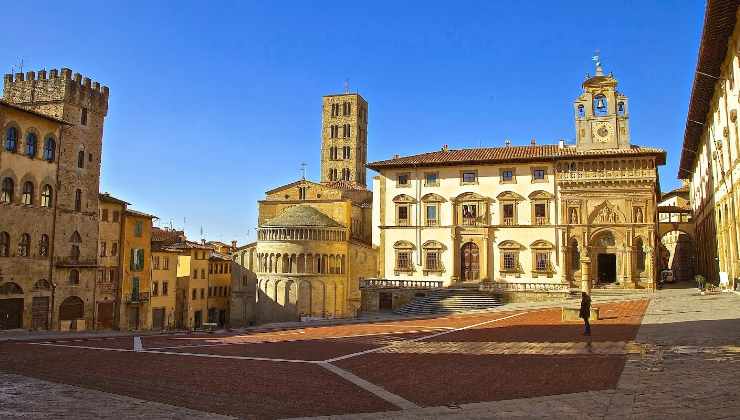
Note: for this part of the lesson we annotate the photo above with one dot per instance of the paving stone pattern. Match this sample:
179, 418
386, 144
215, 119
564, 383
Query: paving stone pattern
684, 364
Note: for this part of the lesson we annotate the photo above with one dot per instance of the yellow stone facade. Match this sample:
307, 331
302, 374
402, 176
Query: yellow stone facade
110, 234
164, 287
538, 217
711, 152
136, 280
192, 284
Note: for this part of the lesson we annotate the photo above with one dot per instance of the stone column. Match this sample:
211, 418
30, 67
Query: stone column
649, 266
585, 274
564, 263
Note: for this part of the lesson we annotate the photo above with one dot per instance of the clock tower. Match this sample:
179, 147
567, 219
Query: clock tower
601, 113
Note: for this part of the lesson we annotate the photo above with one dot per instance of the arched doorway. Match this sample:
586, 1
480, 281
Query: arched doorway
677, 253
72, 309
604, 254
470, 262
11, 306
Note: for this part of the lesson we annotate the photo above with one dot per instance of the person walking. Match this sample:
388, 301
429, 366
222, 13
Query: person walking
585, 312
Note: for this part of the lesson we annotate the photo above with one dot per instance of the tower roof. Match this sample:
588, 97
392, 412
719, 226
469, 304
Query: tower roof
302, 215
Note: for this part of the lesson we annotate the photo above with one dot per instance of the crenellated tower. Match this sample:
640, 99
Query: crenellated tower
83, 105
344, 138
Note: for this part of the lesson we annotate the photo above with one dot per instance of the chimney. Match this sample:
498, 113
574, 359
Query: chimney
561, 144
533, 141
507, 143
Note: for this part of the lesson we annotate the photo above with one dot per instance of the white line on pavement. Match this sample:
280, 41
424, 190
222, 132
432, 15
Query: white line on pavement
370, 387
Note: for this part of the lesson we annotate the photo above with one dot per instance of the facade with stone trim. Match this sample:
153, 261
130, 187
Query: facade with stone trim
539, 215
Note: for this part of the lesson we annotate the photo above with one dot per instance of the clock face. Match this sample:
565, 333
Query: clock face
602, 132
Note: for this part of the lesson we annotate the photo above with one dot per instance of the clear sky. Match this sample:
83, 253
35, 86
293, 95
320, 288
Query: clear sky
213, 103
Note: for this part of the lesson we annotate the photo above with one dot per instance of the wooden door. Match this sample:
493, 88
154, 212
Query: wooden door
470, 264
385, 301
11, 313
158, 319
40, 313
105, 315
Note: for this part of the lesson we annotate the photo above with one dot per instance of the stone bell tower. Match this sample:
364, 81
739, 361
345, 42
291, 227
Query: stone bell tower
344, 138
601, 113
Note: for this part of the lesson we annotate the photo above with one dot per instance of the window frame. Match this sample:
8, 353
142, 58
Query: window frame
465, 172
502, 176
537, 169
434, 183
403, 175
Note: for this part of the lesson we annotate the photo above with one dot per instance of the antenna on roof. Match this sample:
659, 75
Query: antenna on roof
18, 66
346, 85
303, 170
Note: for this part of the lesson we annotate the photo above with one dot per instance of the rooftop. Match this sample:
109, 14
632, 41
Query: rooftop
140, 214
301, 215
109, 198
531, 153
719, 22
36, 113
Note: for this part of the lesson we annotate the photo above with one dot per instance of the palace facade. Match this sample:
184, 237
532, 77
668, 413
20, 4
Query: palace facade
711, 149
575, 215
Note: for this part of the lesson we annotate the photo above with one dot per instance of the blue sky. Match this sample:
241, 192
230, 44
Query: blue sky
214, 103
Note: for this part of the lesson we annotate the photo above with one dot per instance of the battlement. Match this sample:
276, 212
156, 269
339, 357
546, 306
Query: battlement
34, 88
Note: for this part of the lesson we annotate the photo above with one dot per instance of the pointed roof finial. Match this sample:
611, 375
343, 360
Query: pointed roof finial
597, 60
346, 85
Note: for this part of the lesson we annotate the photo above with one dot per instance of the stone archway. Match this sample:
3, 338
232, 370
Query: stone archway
678, 254
606, 257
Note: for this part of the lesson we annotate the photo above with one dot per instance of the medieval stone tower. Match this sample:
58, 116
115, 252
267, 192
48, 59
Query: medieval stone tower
83, 105
344, 138
601, 114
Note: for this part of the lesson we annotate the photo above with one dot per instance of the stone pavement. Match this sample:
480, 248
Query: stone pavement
687, 365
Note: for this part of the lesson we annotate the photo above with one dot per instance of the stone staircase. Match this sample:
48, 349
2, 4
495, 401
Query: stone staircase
448, 301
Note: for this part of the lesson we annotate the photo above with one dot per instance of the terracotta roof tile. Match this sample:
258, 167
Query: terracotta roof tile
544, 152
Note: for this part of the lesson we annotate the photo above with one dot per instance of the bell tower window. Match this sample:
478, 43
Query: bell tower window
581, 111
601, 106
620, 109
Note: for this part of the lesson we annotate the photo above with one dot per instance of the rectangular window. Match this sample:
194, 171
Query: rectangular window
195, 294
115, 216
538, 174
155, 261
114, 249
104, 215
138, 229
155, 288
470, 213
432, 261
540, 214
403, 260
509, 261
508, 214
402, 180
469, 177
202, 293
431, 179
432, 219
165, 288
165, 263
113, 275
542, 261
137, 259
507, 175
83, 116
135, 288
102, 249
301, 193
403, 215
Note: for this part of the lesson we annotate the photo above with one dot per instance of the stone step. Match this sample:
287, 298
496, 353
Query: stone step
448, 301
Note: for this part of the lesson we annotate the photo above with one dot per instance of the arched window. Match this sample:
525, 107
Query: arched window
601, 106
75, 250
433, 256
621, 109
31, 144
50, 147
81, 159
6, 194
46, 194
24, 246
4, 244
575, 255
44, 245
78, 200
74, 277
11, 139
581, 111
27, 197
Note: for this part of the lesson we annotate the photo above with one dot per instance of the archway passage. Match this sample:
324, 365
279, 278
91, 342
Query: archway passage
470, 262
607, 266
677, 253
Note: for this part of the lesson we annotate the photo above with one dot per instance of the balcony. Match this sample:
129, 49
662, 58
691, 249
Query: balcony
540, 221
75, 262
136, 297
509, 221
400, 284
472, 221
